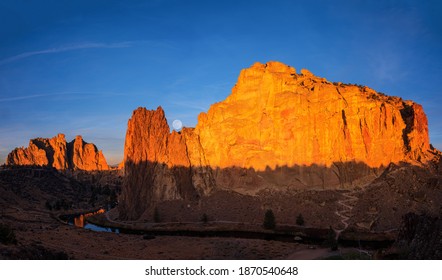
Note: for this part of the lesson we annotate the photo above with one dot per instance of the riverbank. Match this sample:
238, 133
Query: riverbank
283, 233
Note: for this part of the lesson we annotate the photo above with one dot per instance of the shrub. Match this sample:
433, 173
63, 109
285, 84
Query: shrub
156, 215
48, 205
204, 218
269, 220
300, 220
331, 241
7, 235
113, 198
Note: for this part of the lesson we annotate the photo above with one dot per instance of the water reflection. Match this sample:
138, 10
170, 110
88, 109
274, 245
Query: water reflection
80, 221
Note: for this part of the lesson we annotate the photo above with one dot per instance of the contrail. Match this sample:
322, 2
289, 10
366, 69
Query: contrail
65, 49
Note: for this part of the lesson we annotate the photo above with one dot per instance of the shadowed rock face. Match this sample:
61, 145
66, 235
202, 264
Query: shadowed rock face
420, 237
55, 152
160, 165
278, 129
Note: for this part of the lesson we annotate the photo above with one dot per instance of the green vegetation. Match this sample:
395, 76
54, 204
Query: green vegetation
300, 220
113, 197
58, 204
156, 215
7, 235
99, 193
204, 218
48, 205
331, 241
269, 220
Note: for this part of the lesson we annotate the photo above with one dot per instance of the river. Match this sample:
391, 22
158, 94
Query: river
312, 236
79, 220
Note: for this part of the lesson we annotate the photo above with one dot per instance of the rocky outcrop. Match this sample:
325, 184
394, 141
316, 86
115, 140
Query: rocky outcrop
158, 164
277, 129
43, 152
57, 153
85, 156
420, 237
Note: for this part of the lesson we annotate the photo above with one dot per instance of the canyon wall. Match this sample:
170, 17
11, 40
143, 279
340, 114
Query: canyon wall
57, 153
277, 130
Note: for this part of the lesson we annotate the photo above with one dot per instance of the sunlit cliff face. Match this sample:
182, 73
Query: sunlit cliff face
313, 132
275, 117
58, 153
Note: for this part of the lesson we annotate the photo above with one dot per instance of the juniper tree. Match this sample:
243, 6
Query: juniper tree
300, 220
269, 220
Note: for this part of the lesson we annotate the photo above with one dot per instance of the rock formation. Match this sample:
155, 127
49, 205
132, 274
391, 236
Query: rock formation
419, 238
55, 152
275, 117
277, 129
158, 164
85, 156
41, 151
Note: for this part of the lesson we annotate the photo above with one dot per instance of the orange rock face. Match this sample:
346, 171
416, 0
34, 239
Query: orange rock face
275, 117
86, 156
55, 152
43, 152
278, 129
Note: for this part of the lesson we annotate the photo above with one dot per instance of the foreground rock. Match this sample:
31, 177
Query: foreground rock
277, 130
57, 153
420, 238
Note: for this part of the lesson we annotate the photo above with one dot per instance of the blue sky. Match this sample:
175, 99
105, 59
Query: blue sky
82, 67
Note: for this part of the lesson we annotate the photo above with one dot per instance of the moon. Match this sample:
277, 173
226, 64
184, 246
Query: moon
177, 125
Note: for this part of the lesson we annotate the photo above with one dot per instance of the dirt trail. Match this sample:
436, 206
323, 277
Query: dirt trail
346, 212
